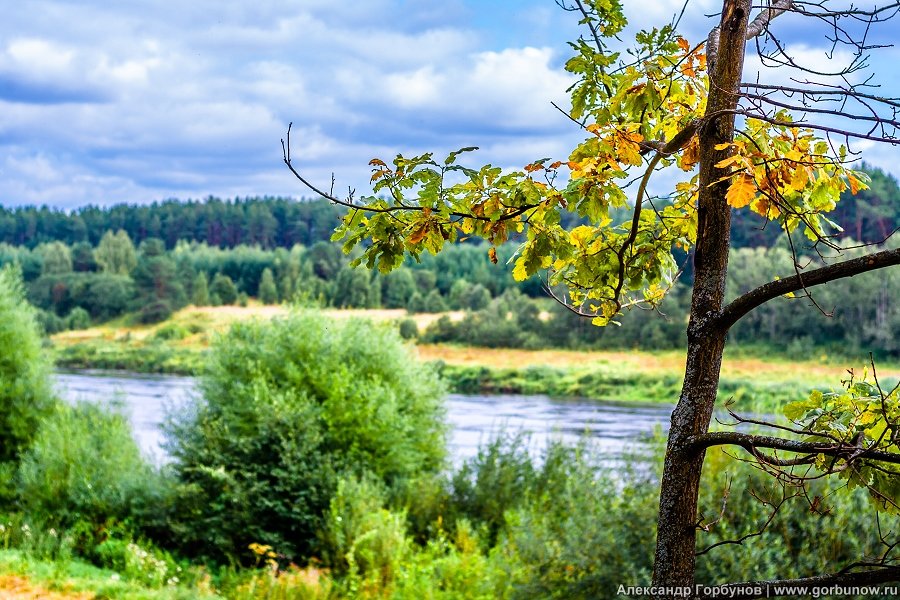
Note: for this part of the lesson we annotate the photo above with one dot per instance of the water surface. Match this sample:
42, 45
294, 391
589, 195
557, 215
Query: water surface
611, 427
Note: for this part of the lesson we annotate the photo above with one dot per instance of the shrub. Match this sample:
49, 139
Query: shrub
288, 407
78, 318
154, 312
26, 395
268, 292
84, 465
50, 322
200, 290
497, 479
582, 528
408, 329
360, 535
173, 332
223, 290
434, 302
416, 303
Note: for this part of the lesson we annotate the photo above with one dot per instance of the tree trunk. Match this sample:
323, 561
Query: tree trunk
676, 534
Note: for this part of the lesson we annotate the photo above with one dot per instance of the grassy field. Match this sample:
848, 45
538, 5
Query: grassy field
177, 345
753, 383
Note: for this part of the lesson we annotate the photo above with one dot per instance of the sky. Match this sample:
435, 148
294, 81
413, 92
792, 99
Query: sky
110, 102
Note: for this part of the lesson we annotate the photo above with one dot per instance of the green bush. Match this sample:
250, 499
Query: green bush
26, 396
84, 465
289, 406
497, 479
268, 292
78, 319
171, 332
222, 290
50, 322
360, 535
581, 529
408, 329
434, 302
155, 312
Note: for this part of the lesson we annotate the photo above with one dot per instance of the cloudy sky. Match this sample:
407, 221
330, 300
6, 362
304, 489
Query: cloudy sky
106, 102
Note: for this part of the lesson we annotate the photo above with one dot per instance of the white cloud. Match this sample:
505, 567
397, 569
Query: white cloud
40, 56
106, 102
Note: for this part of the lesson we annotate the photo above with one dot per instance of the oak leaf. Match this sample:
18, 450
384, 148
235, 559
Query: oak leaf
741, 191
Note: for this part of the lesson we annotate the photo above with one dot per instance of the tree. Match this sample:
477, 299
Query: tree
83, 257
223, 288
158, 286
745, 146
200, 296
26, 395
268, 292
57, 258
397, 288
115, 253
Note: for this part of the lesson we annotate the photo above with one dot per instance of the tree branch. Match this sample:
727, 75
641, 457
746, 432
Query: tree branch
762, 20
750, 443
848, 268
754, 29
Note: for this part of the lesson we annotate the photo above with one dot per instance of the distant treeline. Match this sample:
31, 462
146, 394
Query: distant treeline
283, 222
265, 222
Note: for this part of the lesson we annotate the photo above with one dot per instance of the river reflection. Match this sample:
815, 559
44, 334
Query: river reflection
611, 427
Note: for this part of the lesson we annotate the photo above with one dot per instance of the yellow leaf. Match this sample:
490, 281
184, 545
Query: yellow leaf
492, 253
800, 178
741, 191
722, 146
683, 44
854, 184
519, 272
580, 235
727, 162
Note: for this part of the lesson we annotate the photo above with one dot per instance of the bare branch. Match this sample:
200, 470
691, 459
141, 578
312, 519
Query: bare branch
848, 268
761, 23
750, 443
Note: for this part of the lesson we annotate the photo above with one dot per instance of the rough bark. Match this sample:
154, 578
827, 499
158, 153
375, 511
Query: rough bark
676, 535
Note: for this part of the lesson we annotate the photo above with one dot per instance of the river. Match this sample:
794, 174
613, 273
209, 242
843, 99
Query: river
612, 428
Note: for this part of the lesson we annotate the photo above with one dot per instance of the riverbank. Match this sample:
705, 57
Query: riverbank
754, 384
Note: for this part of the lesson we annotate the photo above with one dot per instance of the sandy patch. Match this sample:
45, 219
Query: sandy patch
13, 587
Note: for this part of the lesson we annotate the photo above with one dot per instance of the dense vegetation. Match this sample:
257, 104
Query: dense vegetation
75, 287
315, 459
